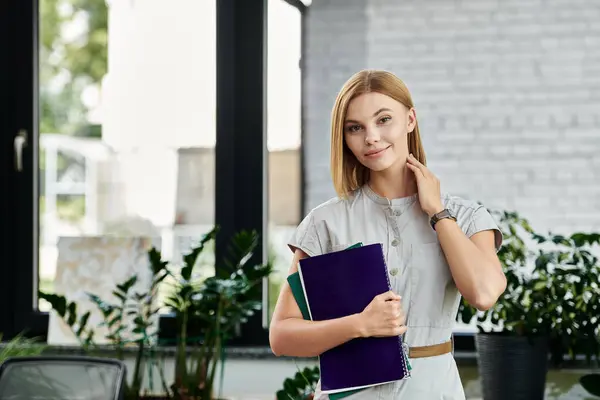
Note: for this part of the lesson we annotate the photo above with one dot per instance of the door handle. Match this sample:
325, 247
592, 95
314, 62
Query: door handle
20, 143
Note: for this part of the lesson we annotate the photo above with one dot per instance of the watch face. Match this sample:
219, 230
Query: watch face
443, 213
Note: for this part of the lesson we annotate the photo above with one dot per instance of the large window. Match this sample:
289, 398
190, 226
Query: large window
120, 117
283, 138
126, 137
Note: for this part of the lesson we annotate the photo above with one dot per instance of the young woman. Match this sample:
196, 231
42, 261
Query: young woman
437, 247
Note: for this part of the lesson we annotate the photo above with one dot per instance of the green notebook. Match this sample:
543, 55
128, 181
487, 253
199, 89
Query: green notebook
298, 292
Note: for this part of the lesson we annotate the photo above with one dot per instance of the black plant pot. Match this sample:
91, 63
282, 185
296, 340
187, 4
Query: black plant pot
512, 367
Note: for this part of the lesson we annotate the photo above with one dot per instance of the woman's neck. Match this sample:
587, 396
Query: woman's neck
393, 183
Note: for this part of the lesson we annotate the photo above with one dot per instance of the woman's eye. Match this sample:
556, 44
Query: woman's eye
353, 128
385, 119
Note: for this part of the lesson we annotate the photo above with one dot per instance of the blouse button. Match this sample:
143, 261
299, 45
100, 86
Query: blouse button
395, 242
394, 271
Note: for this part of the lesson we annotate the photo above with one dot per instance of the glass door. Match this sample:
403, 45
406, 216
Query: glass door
116, 104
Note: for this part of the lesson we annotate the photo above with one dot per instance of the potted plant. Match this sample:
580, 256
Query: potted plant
544, 310
211, 308
217, 306
576, 330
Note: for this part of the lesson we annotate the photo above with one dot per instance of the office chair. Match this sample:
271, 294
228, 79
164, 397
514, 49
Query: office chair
62, 378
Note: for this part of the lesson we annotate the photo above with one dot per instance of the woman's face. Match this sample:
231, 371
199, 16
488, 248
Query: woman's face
376, 129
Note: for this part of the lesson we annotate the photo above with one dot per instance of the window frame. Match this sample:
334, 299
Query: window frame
241, 186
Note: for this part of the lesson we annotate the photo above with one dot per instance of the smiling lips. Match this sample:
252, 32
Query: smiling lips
376, 153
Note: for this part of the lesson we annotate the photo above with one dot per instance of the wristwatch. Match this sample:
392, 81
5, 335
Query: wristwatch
445, 213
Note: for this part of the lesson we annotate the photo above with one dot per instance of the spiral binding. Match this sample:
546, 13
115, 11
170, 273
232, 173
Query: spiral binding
403, 346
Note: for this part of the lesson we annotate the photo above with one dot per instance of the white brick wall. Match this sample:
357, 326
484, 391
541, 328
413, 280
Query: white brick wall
507, 93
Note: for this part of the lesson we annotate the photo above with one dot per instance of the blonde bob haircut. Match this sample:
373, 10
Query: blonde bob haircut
347, 172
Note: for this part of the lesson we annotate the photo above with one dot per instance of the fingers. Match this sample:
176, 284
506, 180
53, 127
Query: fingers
402, 319
392, 310
415, 165
399, 317
395, 313
400, 330
398, 325
418, 173
389, 295
389, 314
412, 160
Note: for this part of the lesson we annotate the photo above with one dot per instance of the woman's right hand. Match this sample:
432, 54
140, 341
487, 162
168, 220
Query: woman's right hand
384, 316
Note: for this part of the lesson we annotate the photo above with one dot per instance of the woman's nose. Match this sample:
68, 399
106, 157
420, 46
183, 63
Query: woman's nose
371, 137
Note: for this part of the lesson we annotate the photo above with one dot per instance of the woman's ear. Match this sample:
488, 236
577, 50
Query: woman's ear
411, 120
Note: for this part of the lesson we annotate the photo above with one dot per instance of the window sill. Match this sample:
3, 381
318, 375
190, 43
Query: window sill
463, 358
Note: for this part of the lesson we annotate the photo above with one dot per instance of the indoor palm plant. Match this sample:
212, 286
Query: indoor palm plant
552, 290
208, 311
214, 307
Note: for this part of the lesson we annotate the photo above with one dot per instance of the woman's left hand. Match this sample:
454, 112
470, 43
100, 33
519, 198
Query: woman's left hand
428, 187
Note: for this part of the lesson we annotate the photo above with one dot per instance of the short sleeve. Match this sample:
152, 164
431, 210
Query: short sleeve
481, 220
306, 237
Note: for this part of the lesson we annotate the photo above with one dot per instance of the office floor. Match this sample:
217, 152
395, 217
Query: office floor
260, 379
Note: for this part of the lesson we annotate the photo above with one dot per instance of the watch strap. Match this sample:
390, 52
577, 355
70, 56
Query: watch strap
445, 213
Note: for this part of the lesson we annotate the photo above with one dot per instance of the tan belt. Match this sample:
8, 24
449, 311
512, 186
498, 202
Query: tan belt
430, 351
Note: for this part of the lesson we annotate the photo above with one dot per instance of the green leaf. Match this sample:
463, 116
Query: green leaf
120, 295
114, 320
105, 308
72, 314
83, 321
156, 263
542, 261
191, 258
290, 386
283, 395
57, 302
585, 239
139, 297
